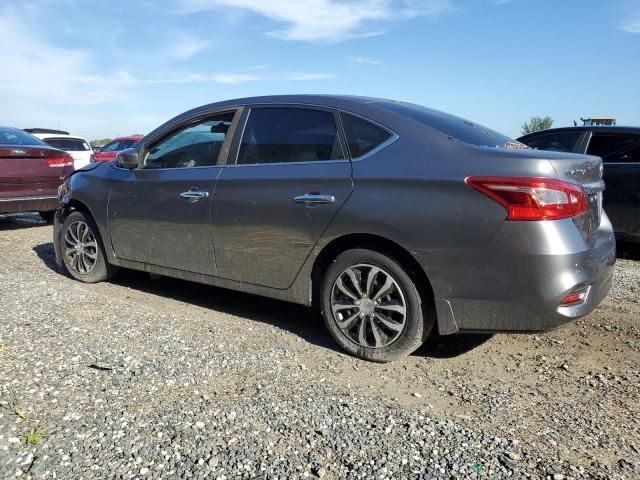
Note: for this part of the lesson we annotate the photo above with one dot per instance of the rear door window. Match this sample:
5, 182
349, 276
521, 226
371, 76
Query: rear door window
362, 136
615, 148
68, 144
555, 141
289, 134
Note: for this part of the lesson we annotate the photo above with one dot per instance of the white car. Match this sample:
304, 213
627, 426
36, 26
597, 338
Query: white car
77, 147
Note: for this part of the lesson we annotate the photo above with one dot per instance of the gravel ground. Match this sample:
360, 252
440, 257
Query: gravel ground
158, 378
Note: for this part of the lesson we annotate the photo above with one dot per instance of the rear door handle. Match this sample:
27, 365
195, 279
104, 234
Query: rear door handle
194, 195
313, 198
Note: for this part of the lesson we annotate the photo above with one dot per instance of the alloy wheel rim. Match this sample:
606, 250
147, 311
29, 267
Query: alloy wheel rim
80, 248
368, 306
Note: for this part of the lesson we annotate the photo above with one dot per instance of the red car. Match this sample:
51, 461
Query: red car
30, 172
111, 149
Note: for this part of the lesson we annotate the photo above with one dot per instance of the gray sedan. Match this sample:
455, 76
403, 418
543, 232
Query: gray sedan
395, 219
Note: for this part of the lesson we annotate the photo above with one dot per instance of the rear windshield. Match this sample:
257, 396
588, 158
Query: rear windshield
456, 127
13, 136
68, 144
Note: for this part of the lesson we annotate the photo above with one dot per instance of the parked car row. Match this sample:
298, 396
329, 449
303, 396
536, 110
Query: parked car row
394, 219
35, 161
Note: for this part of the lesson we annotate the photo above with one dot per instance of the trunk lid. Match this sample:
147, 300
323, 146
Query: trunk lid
585, 170
25, 171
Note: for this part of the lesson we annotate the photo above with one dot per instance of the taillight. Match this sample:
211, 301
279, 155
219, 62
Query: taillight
527, 198
92, 158
62, 160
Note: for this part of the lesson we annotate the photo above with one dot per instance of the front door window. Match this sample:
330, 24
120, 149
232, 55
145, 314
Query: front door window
198, 145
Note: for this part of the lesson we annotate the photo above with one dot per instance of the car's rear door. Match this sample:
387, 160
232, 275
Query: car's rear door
621, 156
160, 213
289, 178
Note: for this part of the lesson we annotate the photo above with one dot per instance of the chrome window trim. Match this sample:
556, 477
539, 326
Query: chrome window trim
165, 168
394, 137
314, 162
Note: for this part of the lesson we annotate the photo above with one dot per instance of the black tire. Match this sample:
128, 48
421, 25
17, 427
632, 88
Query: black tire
418, 319
101, 270
47, 216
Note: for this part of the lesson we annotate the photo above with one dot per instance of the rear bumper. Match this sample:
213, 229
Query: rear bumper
518, 283
44, 203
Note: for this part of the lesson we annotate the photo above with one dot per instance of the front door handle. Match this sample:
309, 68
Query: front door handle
194, 195
314, 198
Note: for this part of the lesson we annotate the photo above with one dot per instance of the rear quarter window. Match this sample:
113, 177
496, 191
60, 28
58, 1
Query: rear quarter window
362, 136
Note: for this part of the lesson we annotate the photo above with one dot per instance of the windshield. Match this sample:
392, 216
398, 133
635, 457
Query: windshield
13, 136
456, 127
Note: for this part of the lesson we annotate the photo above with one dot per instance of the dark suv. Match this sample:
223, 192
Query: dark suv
619, 148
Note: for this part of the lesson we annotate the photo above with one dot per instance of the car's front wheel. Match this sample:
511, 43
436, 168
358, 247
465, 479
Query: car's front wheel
82, 250
372, 306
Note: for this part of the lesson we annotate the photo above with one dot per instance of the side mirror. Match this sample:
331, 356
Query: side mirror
127, 158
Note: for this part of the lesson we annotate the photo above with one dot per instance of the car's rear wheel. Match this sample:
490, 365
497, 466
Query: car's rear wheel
372, 307
47, 216
83, 254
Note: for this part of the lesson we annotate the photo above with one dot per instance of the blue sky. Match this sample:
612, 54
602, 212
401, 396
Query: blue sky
107, 67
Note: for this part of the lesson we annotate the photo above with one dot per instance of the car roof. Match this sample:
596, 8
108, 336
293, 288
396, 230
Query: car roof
126, 138
373, 108
588, 128
334, 101
47, 136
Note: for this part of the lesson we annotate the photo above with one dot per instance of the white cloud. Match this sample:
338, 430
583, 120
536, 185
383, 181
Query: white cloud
236, 78
364, 60
185, 46
630, 21
631, 26
35, 69
327, 20
36, 72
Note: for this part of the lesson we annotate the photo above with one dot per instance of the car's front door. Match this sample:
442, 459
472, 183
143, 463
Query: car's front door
291, 176
621, 158
160, 213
